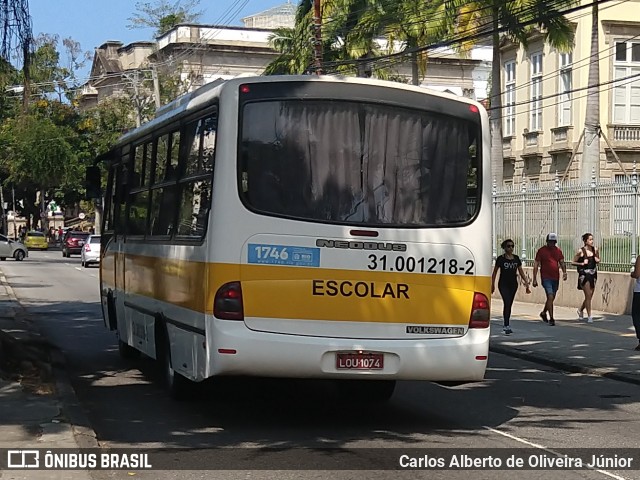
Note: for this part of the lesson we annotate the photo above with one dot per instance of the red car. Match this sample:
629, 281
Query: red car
73, 242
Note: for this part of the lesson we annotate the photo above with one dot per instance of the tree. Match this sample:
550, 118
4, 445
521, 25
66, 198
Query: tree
293, 45
352, 28
16, 33
414, 23
591, 148
518, 19
163, 15
37, 156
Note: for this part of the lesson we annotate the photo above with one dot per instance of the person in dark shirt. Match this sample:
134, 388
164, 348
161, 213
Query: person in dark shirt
508, 265
587, 259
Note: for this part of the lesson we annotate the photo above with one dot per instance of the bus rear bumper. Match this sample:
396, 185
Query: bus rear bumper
237, 350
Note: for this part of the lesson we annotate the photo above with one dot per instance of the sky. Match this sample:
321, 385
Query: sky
93, 22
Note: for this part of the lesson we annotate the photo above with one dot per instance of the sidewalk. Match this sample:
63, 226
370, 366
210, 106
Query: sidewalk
38, 408
604, 347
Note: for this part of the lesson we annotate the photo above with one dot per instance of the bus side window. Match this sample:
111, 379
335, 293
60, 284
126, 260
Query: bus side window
161, 154
197, 181
210, 127
137, 175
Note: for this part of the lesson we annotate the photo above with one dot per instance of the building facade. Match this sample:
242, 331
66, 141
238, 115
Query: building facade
545, 100
204, 53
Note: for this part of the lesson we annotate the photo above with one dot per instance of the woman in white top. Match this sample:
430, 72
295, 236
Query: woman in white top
635, 308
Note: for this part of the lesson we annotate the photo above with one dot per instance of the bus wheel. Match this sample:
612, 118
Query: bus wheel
180, 387
111, 312
126, 351
368, 391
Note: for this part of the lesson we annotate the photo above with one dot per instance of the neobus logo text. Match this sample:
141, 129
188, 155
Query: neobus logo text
392, 247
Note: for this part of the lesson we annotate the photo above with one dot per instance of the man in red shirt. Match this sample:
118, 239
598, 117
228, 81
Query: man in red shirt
549, 260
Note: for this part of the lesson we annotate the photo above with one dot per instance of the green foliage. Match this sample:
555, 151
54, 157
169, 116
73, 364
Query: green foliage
105, 123
293, 45
36, 151
10, 99
163, 15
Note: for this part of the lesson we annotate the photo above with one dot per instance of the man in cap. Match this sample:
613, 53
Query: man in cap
549, 260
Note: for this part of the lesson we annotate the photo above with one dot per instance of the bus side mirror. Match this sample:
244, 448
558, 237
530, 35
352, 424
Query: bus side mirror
92, 184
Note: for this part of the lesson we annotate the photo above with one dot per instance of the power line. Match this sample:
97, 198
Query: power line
466, 38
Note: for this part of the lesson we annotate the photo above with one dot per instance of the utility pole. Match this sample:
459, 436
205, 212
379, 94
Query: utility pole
134, 78
13, 199
4, 211
317, 44
156, 86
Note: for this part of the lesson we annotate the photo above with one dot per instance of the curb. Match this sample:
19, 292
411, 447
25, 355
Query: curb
83, 433
81, 427
564, 366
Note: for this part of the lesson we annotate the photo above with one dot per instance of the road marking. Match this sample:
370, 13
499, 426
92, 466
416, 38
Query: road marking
78, 268
549, 450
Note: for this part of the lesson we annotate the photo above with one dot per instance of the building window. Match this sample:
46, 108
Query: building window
626, 93
564, 105
535, 119
509, 99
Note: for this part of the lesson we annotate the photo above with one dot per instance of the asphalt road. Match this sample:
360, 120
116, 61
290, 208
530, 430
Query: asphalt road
520, 405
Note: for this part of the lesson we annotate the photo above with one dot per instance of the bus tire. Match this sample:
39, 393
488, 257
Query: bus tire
126, 351
367, 391
111, 312
179, 386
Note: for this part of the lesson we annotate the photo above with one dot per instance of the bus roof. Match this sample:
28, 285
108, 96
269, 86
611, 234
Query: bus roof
200, 97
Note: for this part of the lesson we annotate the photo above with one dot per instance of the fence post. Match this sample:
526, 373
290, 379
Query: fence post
593, 210
494, 191
634, 216
556, 204
523, 255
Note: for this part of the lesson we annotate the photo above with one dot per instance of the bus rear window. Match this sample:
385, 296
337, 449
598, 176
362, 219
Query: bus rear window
359, 164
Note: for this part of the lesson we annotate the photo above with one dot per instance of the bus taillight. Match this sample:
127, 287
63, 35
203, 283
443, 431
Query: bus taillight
480, 313
227, 304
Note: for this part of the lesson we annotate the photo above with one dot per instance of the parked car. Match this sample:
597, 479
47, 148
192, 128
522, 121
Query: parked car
36, 241
73, 242
91, 251
11, 248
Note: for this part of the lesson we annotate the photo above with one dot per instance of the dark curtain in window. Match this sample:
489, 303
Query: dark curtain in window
355, 163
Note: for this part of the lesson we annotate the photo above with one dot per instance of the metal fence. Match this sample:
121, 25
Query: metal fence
608, 210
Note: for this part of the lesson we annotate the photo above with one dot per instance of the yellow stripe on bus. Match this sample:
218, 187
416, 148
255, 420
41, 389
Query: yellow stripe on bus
301, 293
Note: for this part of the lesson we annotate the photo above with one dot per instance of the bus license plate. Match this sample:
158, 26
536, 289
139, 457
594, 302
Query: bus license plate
360, 361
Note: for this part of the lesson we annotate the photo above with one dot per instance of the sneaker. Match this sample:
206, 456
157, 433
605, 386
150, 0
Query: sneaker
507, 330
552, 322
638, 347
580, 314
543, 316
589, 320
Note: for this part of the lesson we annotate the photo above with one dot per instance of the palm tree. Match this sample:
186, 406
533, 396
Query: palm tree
518, 19
351, 28
591, 149
293, 45
414, 23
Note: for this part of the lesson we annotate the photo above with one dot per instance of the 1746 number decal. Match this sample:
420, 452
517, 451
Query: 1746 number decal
391, 263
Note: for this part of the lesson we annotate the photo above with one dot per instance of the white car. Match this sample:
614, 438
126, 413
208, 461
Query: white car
11, 248
91, 251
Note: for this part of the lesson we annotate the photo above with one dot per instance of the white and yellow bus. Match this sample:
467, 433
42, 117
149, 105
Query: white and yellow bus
303, 227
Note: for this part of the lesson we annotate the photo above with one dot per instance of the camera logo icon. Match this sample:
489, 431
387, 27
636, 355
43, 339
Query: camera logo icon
23, 459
